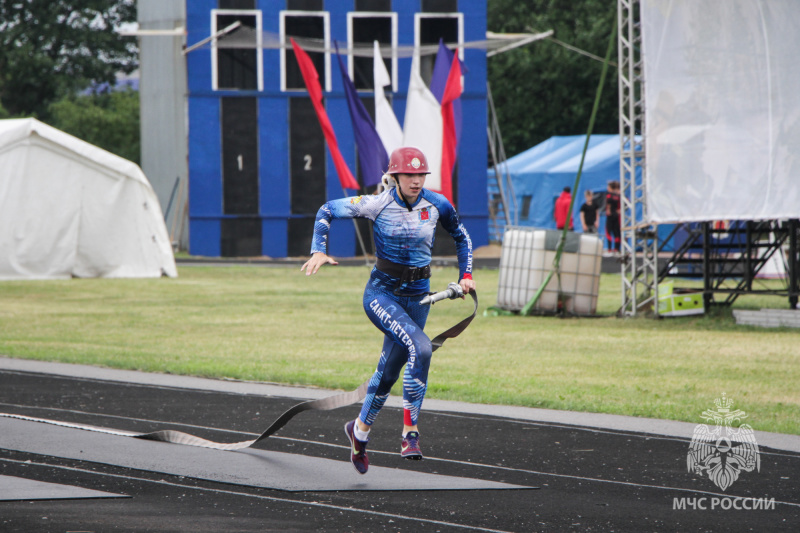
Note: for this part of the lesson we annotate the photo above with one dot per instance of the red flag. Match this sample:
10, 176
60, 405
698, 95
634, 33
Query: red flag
311, 79
452, 91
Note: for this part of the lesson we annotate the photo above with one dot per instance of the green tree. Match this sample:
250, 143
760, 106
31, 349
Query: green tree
544, 89
108, 120
52, 48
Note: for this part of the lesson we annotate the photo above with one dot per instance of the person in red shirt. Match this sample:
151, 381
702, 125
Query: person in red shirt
562, 208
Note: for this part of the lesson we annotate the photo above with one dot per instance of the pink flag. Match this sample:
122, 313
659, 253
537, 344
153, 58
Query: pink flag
311, 79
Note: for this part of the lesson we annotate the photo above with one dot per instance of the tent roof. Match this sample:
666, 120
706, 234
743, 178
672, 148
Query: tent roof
71, 209
16, 130
563, 154
538, 175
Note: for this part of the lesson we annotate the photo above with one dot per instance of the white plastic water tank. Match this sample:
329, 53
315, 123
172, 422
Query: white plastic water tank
527, 257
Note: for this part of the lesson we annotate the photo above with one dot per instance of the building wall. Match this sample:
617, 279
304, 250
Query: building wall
285, 220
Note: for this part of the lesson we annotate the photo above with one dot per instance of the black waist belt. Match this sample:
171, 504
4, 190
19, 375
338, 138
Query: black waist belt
405, 273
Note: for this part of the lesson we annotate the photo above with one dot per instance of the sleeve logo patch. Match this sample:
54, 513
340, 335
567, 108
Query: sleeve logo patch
355, 199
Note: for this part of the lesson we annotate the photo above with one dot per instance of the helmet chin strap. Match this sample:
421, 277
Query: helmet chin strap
402, 197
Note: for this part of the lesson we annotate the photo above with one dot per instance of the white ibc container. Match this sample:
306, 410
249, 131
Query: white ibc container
526, 259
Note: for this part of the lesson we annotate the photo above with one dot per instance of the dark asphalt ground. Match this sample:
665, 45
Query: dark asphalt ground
588, 479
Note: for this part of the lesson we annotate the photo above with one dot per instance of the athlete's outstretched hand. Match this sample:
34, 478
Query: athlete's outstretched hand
317, 260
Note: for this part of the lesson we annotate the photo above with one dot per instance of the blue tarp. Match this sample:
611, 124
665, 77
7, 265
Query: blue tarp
539, 174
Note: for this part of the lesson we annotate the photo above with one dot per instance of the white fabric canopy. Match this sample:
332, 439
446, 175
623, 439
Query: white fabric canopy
68, 208
722, 132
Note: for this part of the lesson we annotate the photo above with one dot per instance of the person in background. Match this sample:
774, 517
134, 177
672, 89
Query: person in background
561, 210
612, 217
589, 213
405, 216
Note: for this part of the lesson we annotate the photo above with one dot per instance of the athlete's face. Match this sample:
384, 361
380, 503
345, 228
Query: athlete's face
411, 185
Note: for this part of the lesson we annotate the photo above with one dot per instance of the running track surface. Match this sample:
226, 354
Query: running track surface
592, 472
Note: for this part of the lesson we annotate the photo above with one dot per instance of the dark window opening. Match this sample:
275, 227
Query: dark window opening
373, 5
369, 104
304, 5
237, 4
306, 158
240, 237
300, 235
439, 6
307, 174
239, 156
430, 31
366, 30
525, 212
237, 68
310, 26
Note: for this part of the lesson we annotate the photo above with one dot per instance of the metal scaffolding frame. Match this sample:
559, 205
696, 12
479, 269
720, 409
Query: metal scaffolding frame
729, 258
502, 200
640, 272
639, 238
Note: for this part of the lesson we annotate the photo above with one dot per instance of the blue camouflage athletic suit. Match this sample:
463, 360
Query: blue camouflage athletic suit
405, 238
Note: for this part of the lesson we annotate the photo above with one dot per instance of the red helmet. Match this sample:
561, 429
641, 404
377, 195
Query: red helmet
408, 160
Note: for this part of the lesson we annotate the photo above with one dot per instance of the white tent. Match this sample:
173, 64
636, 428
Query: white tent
68, 208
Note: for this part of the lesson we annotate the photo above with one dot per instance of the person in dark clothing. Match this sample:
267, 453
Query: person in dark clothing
561, 210
589, 213
612, 217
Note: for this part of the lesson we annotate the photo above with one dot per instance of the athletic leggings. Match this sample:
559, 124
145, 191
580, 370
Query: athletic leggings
613, 233
405, 345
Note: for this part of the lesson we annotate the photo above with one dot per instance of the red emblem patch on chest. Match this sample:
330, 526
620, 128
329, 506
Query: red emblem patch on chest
424, 214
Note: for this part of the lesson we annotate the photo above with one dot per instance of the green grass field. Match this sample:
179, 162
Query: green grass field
277, 325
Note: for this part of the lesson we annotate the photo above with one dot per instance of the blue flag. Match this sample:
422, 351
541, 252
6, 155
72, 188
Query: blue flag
372, 156
441, 70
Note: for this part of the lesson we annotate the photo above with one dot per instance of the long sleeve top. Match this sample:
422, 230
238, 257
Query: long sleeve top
401, 236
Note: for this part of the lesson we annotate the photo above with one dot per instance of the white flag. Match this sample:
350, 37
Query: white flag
385, 120
423, 124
